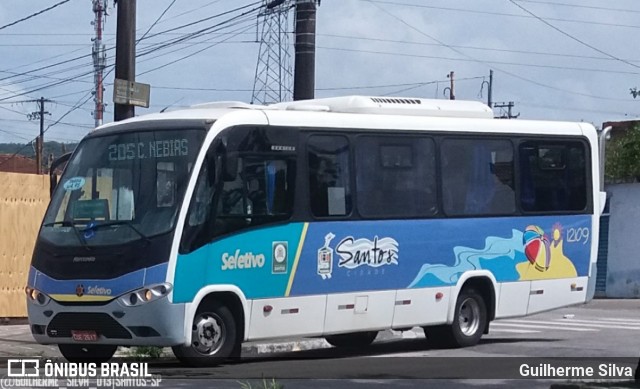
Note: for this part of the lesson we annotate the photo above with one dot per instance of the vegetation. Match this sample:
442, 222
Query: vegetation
144, 352
623, 157
55, 148
265, 384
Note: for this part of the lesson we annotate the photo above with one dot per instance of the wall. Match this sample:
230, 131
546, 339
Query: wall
623, 267
23, 201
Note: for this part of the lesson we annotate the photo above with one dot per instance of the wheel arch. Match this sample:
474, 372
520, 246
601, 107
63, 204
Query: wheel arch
231, 296
485, 283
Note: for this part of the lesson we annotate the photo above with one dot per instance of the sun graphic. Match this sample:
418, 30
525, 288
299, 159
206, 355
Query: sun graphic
556, 232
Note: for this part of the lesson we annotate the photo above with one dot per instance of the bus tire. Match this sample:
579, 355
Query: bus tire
355, 339
78, 353
213, 339
469, 323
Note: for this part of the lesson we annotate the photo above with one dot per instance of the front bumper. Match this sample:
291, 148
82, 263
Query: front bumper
158, 323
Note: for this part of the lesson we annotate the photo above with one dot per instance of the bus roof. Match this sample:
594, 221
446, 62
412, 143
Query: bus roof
407, 107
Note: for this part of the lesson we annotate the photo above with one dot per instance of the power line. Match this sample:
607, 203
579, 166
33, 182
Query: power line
48, 127
189, 55
353, 87
158, 47
473, 47
156, 22
502, 14
581, 6
34, 14
534, 82
193, 10
200, 32
207, 19
571, 36
16, 134
485, 62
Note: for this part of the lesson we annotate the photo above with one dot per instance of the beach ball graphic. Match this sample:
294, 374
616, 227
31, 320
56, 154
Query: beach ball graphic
536, 248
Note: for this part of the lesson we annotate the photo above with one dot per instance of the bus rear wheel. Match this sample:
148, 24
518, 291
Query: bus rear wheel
356, 339
469, 323
213, 337
78, 353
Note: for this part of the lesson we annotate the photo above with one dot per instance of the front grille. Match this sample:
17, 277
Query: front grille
63, 323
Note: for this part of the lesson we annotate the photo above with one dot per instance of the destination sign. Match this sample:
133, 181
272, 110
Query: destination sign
153, 149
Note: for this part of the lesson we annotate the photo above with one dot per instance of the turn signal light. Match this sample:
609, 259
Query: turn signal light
36, 297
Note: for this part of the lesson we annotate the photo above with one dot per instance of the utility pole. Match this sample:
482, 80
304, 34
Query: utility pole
509, 106
99, 60
452, 95
490, 94
39, 114
125, 52
490, 87
305, 47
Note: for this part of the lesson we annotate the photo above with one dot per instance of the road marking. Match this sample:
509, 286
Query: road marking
501, 324
492, 330
599, 321
405, 355
566, 323
619, 321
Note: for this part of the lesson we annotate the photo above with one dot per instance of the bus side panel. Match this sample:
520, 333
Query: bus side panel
293, 316
359, 311
513, 299
550, 294
421, 306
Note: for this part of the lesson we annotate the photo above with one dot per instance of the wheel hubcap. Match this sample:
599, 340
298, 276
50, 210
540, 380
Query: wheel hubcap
469, 317
208, 333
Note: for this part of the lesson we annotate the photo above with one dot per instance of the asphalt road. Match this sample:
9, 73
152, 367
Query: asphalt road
601, 332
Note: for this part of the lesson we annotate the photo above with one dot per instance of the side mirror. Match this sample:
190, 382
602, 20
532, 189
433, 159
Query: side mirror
53, 177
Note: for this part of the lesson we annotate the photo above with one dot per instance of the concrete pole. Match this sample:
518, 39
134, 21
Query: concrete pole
305, 45
125, 52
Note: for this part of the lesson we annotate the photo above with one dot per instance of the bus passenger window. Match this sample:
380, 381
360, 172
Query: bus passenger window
329, 191
553, 176
396, 176
477, 177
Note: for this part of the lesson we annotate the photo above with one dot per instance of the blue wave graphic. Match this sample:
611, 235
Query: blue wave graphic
500, 255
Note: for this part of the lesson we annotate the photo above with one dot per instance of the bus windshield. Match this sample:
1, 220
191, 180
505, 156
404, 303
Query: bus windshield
122, 187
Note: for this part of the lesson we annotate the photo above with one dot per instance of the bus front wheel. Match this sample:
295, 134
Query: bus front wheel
213, 337
357, 339
79, 353
469, 323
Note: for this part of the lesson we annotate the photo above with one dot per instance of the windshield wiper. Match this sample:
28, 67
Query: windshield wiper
118, 223
66, 223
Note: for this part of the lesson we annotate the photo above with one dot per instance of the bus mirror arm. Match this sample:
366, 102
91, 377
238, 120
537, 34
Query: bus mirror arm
230, 168
604, 136
53, 177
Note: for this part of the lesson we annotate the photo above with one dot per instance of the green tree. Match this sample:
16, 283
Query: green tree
623, 157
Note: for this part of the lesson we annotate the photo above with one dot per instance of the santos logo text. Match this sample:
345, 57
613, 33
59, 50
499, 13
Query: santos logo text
244, 261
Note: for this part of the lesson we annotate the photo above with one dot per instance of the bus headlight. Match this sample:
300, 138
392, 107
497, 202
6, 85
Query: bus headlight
145, 295
36, 296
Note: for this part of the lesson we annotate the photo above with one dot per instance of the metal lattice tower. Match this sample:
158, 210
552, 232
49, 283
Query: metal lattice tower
274, 72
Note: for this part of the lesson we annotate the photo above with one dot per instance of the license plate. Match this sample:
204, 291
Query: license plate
84, 336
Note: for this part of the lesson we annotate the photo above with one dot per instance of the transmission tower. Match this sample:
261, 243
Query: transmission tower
274, 71
99, 59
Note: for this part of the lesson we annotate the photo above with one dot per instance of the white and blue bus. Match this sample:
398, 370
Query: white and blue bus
206, 227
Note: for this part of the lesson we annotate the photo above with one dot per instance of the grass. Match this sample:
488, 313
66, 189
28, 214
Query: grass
265, 384
144, 352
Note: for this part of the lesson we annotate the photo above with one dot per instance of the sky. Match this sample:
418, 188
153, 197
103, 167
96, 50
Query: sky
572, 60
